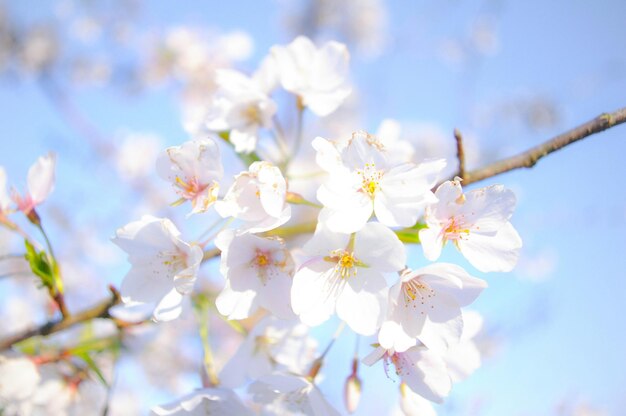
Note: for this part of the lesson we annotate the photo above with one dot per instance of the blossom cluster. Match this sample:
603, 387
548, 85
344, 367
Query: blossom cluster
354, 266
288, 263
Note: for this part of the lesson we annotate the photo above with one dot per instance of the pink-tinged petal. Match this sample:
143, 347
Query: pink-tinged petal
362, 303
393, 337
489, 208
41, 178
236, 304
497, 253
425, 373
169, 308
314, 292
379, 247
431, 240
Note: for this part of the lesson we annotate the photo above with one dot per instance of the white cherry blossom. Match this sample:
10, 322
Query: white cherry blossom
283, 394
163, 266
362, 182
258, 198
209, 401
40, 184
426, 304
422, 370
195, 169
345, 275
258, 273
241, 106
273, 344
476, 222
317, 76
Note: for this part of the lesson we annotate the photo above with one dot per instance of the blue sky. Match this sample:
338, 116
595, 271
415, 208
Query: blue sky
561, 338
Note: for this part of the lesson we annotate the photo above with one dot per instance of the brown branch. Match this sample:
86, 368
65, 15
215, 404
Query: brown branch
460, 153
101, 310
530, 157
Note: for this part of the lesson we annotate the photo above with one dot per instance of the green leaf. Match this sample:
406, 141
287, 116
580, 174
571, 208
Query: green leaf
410, 235
40, 264
94, 367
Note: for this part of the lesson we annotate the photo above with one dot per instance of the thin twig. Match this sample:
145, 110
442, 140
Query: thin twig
101, 310
530, 157
460, 153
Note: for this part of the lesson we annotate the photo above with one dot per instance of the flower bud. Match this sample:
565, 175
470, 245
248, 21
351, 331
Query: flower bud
352, 389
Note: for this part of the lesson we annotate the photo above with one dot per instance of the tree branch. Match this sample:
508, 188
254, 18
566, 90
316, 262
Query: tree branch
530, 157
101, 310
460, 153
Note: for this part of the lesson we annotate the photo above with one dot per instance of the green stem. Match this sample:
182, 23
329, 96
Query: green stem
201, 307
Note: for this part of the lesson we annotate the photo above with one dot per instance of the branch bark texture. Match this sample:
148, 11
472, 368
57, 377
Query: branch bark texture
530, 157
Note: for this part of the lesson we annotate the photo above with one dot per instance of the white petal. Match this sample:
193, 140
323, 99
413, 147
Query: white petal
275, 295
374, 356
425, 373
412, 404
327, 156
314, 292
139, 286
432, 242
489, 208
169, 307
41, 178
236, 304
324, 240
379, 247
363, 305
5, 200
393, 337
497, 253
